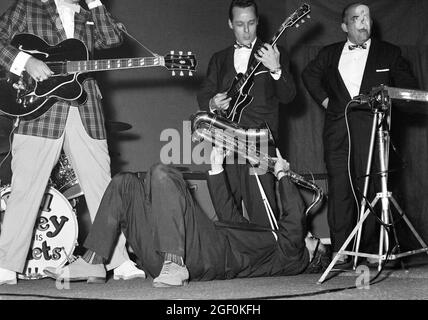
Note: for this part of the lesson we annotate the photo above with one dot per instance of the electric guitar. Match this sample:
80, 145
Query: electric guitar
22, 96
242, 84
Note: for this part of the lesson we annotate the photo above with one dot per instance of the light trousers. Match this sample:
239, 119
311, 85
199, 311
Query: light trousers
33, 159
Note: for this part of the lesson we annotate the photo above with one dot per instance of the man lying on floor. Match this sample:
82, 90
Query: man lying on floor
174, 240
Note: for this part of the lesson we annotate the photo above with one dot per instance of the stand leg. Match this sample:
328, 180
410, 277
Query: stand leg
366, 183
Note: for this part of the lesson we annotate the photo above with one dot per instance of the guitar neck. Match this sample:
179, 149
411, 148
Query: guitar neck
113, 64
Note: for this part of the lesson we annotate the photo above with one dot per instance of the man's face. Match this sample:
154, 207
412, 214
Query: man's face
244, 24
358, 24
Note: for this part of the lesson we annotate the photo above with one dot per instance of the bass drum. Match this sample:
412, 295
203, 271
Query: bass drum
55, 233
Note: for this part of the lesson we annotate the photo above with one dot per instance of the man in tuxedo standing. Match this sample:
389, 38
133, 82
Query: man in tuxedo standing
273, 83
340, 72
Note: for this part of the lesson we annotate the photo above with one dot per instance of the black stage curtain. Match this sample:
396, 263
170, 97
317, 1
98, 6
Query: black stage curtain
400, 22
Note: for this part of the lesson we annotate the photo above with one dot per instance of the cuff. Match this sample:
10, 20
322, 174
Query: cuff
18, 64
94, 4
213, 173
276, 75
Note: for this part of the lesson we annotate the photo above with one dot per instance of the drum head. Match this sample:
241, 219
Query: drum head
54, 237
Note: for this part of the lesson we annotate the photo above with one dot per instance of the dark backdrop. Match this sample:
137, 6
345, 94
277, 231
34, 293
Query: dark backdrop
151, 100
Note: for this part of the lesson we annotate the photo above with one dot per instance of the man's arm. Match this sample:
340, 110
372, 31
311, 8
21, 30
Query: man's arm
108, 32
209, 87
12, 22
313, 78
285, 88
221, 195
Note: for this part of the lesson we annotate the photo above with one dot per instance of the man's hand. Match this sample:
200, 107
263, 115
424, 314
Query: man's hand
269, 56
281, 166
217, 158
37, 69
74, 1
220, 101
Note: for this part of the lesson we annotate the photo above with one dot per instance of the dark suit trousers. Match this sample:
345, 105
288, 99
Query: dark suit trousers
158, 214
243, 186
342, 209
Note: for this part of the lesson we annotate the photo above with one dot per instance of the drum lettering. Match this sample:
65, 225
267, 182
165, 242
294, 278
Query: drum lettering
45, 249
46, 203
44, 253
36, 254
42, 224
38, 237
57, 225
56, 253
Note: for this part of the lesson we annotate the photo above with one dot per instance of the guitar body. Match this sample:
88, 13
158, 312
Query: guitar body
240, 99
29, 99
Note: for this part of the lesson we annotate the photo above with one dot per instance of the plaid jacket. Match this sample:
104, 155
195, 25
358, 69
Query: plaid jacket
96, 28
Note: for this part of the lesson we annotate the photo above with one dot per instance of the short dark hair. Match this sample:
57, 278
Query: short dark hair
349, 6
242, 4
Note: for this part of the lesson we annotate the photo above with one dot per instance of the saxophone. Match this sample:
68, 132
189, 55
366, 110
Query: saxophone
229, 135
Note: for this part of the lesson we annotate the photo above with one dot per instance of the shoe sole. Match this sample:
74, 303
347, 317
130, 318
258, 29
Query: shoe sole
166, 285
128, 277
87, 279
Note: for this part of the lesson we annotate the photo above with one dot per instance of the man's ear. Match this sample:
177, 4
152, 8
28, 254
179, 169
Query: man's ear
344, 27
230, 24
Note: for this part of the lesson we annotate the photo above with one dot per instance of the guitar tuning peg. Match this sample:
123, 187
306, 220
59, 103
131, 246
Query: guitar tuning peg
173, 73
181, 73
189, 53
172, 51
190, 73
297, 25
308, 16
302, 21
180, 53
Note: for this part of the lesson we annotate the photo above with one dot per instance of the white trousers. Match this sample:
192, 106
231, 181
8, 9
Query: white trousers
33, 159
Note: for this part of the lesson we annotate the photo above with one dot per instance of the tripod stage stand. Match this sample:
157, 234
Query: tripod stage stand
380, 103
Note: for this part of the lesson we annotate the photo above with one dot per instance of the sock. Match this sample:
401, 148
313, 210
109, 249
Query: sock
91, 257
174, 258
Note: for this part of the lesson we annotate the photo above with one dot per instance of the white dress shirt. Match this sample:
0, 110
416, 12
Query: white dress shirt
351, 66
66, 14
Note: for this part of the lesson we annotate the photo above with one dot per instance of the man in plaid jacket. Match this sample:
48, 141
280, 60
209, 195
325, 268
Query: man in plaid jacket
77, 129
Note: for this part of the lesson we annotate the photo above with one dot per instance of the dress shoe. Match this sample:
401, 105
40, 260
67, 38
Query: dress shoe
78, 270
172, 275
127, 271
319, 255
7, 276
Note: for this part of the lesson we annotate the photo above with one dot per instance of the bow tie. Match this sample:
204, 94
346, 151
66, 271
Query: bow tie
355, 46
240, 46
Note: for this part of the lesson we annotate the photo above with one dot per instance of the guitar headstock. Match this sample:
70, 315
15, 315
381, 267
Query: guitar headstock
297, 17
180, 62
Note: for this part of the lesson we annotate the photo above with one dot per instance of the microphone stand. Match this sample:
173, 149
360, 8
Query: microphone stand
380, 103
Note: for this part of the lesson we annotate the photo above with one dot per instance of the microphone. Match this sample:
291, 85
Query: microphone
364, 98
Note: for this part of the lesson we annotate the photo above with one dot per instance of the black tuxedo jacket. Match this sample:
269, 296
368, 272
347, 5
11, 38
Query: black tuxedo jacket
250, 250
266, 91
385, 65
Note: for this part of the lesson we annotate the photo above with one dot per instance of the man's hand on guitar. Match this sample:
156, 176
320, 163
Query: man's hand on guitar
269, 56
219, 102
37, 69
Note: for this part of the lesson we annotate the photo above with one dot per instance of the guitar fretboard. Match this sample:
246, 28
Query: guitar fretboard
111, 64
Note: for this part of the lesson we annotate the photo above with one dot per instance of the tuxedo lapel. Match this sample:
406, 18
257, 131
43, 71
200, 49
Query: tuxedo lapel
370, 68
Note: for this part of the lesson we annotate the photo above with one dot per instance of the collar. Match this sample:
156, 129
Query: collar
349, 43
61, 4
